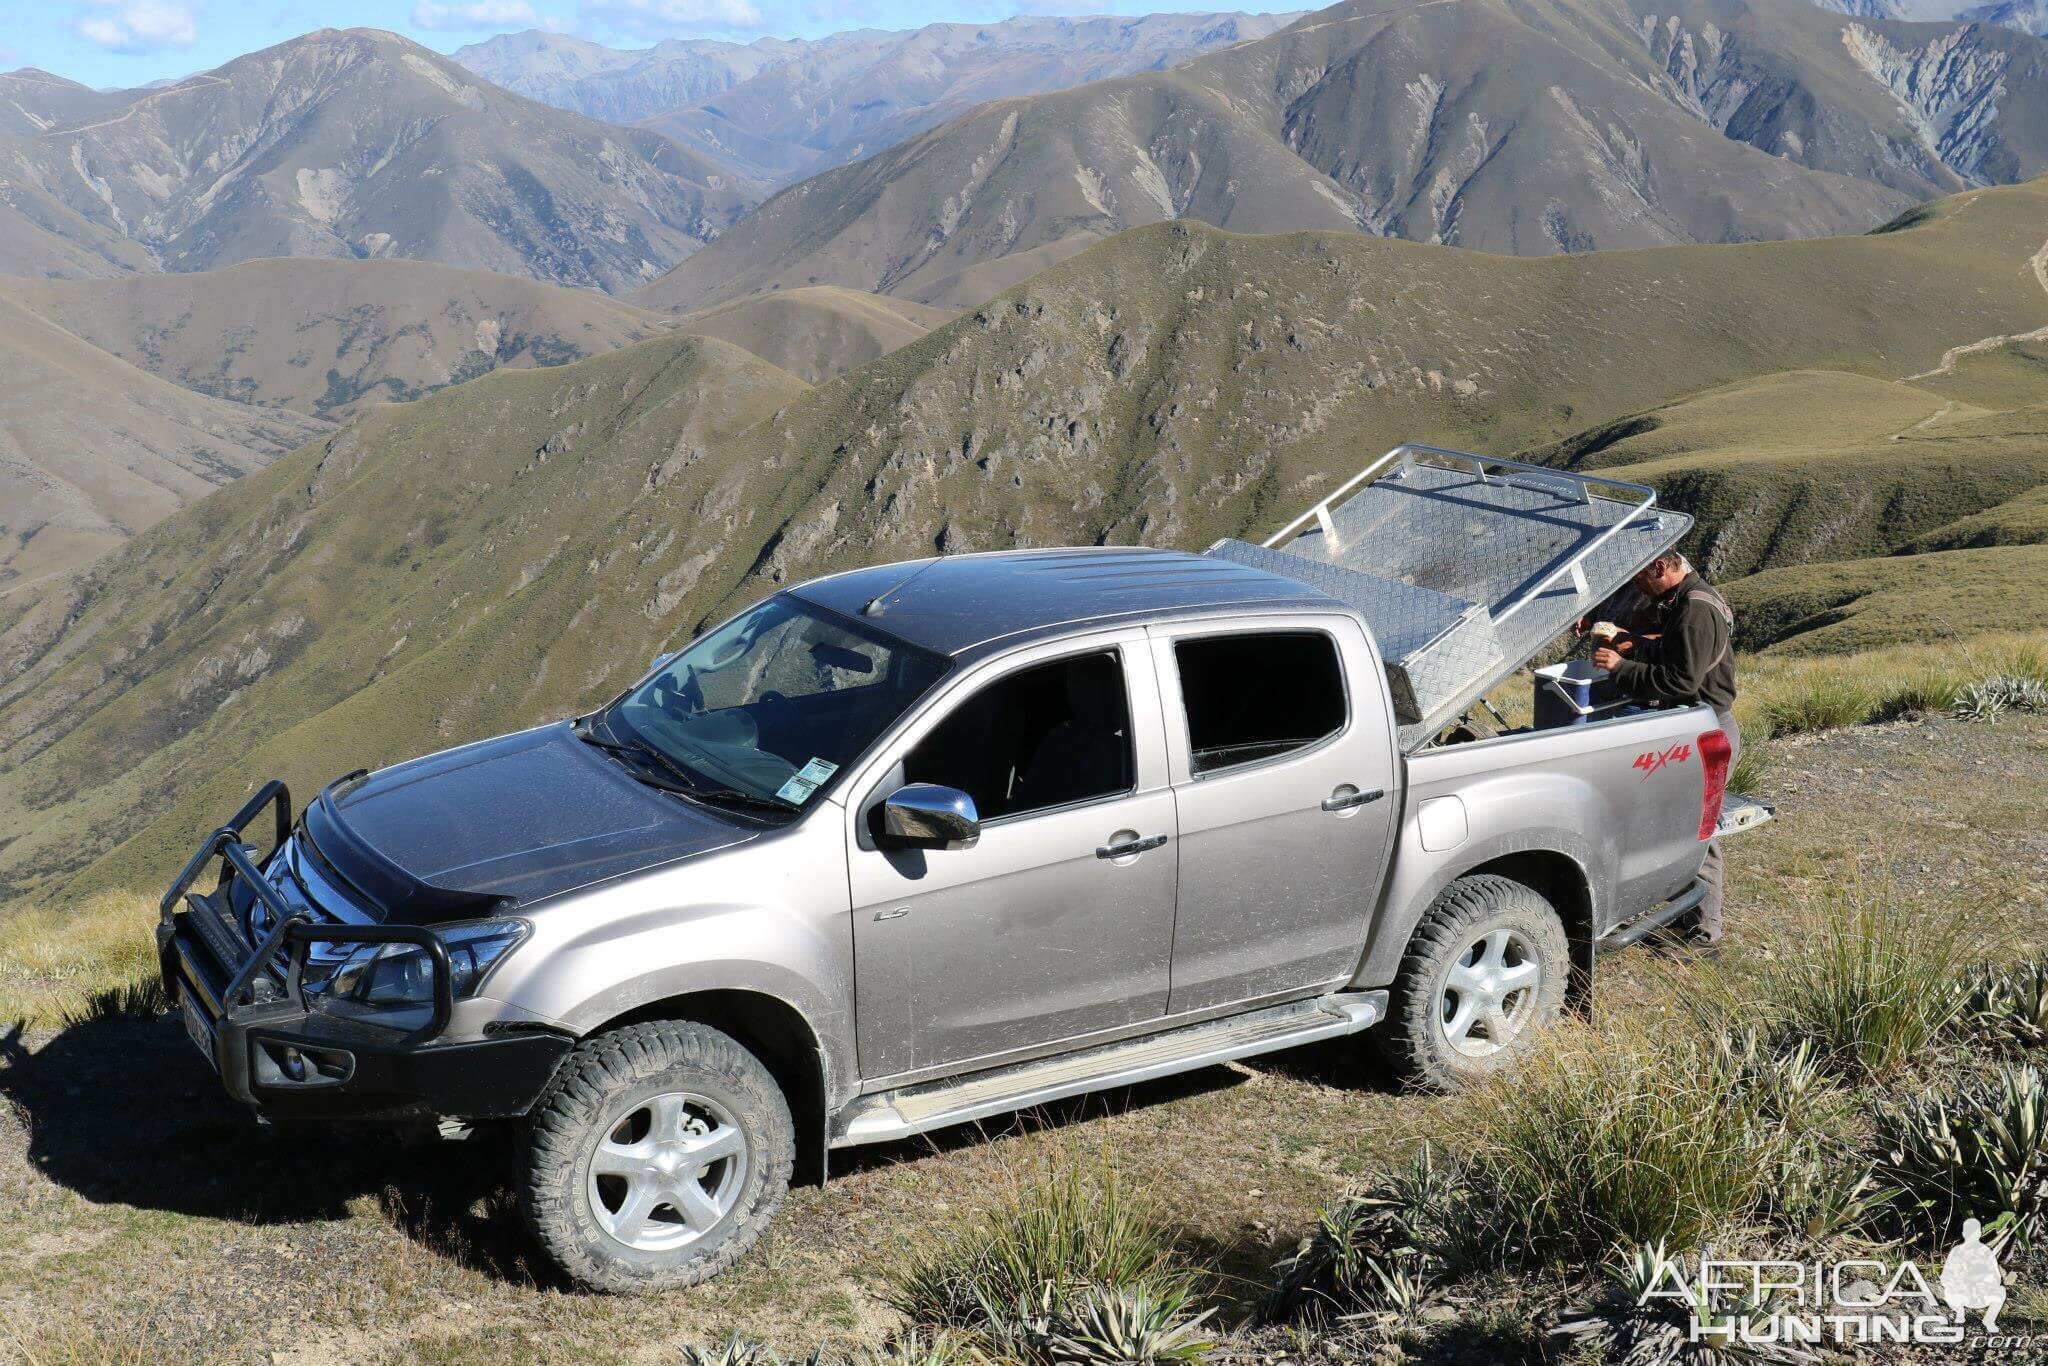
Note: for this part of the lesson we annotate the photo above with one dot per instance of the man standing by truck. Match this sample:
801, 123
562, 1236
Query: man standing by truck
1679, 651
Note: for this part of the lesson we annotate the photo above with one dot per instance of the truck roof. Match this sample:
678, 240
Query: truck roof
952, 603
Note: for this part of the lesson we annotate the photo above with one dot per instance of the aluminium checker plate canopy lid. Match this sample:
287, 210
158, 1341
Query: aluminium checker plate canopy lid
1464, 565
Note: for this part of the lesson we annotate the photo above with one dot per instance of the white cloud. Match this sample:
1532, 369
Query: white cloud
661, 18
477, 14
134, 26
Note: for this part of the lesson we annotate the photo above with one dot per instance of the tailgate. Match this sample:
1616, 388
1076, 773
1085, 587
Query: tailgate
1740, 812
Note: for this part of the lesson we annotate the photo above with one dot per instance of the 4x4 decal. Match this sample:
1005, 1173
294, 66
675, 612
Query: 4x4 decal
1650, 760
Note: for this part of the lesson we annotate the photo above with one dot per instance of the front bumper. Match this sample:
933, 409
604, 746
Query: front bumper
241, 1002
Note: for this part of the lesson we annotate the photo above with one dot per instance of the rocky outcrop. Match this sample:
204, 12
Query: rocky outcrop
1948, 88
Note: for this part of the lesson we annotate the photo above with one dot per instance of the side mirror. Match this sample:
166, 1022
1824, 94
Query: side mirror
927, 816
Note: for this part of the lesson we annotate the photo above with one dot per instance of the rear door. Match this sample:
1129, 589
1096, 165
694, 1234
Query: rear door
1043, 931
1281, 749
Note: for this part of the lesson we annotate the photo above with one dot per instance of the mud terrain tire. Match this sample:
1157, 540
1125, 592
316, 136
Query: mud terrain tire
627, 1076
1491, 956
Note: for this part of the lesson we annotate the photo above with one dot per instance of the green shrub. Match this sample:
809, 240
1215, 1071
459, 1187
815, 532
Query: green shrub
737, 1351
1819, 1186
1379, 1250
1821, 700
1979, 703
1873, 985
1630, 1135
144, 999
2007, 1005
1048, 1243
1990, 698
1103, 1327
924, 1349
1979, 1152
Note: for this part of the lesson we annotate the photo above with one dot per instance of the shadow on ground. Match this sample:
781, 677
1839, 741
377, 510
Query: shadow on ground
122, 1110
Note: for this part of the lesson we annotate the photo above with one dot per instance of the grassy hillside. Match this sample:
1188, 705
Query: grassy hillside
93, 450
1169, 386
1860, 605
333, 338
1812, 466
341, 598
818, 331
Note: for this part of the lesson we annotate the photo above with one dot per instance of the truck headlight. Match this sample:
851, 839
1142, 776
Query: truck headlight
389, 976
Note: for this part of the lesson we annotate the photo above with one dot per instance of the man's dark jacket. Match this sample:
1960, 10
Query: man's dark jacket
1693, 659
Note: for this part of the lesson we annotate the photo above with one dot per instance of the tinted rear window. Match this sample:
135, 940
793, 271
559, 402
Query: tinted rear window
1258, 695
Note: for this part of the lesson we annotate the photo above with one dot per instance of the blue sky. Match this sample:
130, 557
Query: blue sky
132, 42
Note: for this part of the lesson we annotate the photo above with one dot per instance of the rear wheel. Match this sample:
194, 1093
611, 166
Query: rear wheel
656, 1158
1484, 975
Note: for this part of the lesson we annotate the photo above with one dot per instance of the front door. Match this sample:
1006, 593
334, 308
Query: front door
1044, 930
1282, 752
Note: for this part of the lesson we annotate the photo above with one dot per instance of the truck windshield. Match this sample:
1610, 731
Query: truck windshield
770, 705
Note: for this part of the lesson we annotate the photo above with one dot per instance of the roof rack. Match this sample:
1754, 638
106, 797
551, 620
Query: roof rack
1465, 565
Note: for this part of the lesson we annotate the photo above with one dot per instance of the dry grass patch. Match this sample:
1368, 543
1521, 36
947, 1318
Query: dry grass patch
1792, 695
66, 962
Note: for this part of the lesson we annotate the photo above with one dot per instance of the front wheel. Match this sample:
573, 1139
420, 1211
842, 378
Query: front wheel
1484, 975
657, 1156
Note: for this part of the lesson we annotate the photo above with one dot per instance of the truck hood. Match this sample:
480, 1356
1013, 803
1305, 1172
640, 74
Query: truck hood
517, 818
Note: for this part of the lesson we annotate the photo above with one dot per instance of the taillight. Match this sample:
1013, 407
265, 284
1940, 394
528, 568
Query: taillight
1715, 751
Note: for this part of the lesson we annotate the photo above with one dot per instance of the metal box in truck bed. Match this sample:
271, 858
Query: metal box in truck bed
1465, 566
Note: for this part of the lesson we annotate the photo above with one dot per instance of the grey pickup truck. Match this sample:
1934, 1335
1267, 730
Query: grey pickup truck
918, 844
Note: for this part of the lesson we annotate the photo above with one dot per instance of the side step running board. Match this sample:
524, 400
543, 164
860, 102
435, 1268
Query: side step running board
934, 1105
1653, 920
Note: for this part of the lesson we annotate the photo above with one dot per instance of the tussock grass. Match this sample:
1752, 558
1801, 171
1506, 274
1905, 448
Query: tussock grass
1624, 1132
1820, 701
63, 963
1783, 695
1872, 980
1755, 759
1069, 1224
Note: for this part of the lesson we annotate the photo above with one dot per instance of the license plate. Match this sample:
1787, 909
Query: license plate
196, 1027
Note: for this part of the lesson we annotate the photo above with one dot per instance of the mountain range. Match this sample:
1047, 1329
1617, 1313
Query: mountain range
2029, 16
1519, 126
344, 144
776, 109
1831, 408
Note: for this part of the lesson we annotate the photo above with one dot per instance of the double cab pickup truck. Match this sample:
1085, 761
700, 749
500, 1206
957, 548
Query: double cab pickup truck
924, 843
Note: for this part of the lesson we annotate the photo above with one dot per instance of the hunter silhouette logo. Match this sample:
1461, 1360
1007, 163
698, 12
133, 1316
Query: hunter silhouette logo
1852, 1303
1970, 1278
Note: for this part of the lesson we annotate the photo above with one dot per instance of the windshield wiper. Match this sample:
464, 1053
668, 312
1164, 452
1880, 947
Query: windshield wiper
735, 797
640, 751
687, 784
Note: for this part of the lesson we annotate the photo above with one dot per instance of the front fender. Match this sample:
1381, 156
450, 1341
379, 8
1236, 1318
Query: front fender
769, 918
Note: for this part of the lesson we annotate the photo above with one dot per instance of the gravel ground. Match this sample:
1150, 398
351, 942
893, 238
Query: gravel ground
141, 1218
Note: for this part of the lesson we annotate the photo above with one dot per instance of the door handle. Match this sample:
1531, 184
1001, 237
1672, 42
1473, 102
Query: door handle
1351, 799
1129, 847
